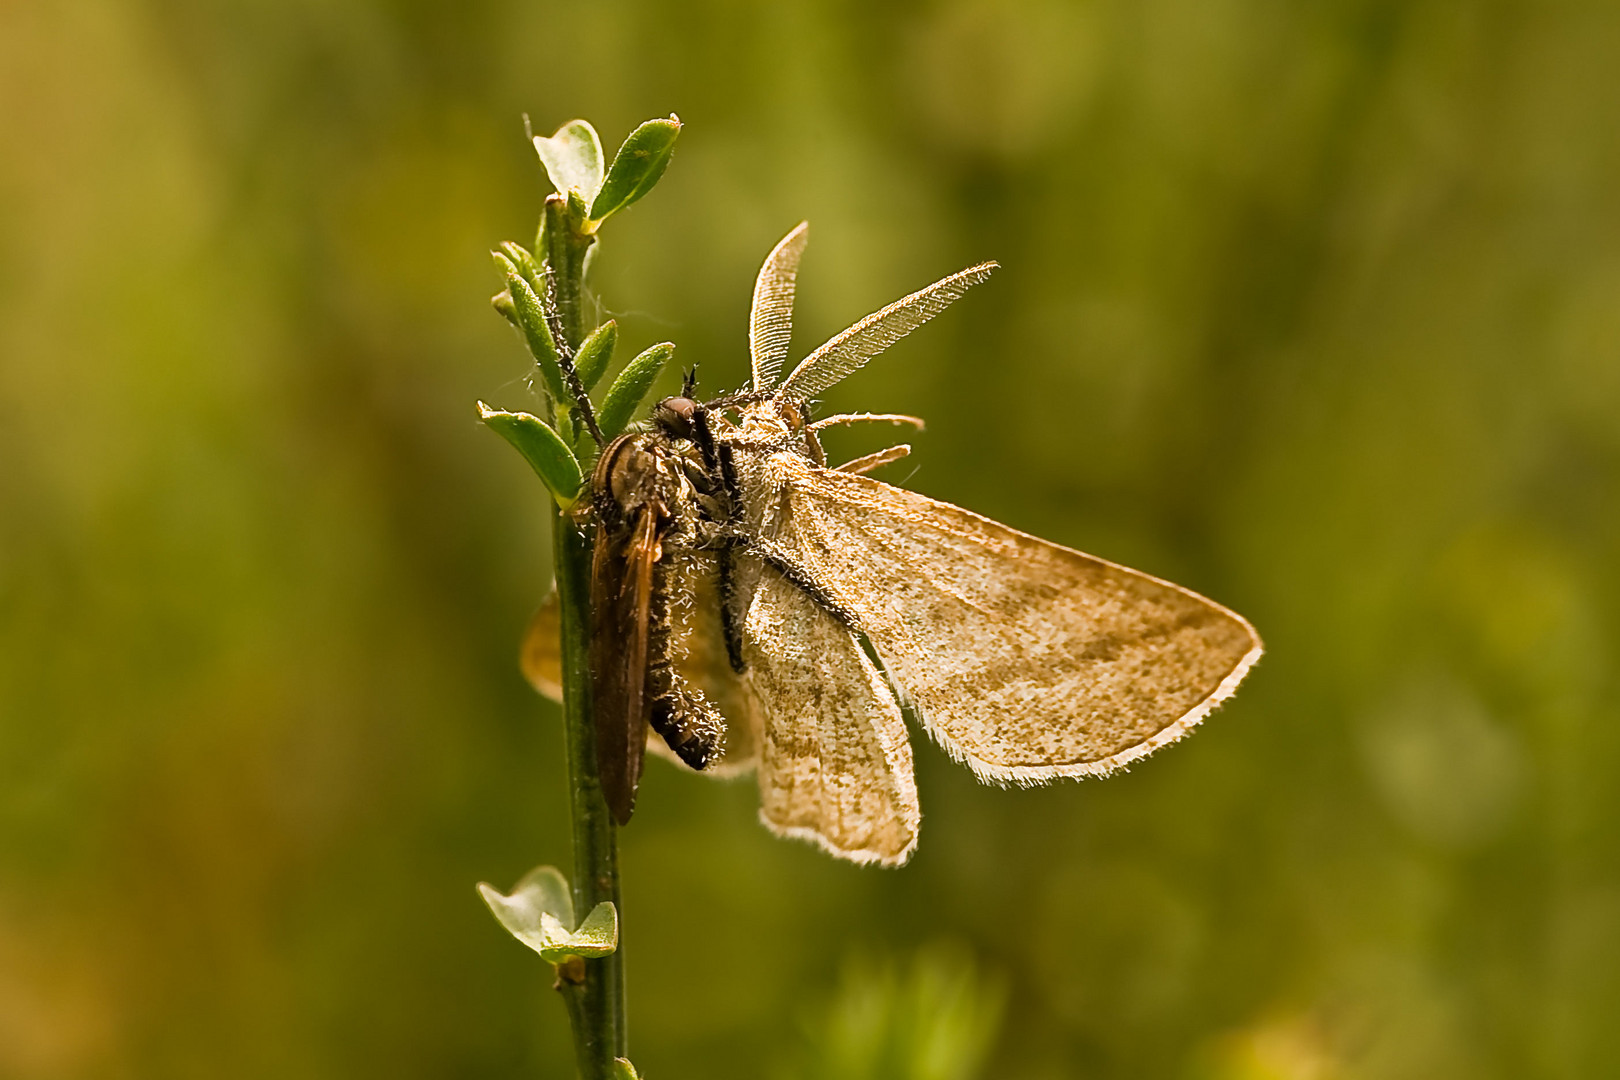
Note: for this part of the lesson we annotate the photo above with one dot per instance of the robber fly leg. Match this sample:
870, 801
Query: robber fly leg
565, 362
797, 576
685, 417
726, 586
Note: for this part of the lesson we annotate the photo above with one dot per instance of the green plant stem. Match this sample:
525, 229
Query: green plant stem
564, 246
595, 994
596, 1005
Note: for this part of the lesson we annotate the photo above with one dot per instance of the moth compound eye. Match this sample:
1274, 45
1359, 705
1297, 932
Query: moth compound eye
675, 415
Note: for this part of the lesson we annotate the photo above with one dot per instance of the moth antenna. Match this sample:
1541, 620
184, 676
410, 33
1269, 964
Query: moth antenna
845, 354
866, 417
770, 320
872, 461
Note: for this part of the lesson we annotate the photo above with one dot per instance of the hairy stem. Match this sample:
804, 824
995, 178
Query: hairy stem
596, 1003
564, 246
594, 991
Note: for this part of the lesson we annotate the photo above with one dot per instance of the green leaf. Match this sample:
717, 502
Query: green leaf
541, 447
573, 158
596, 353
520, 257
623, 1070
502, 302
625, 395
637, 166
598, 935
531, 319
541, 895
553, 939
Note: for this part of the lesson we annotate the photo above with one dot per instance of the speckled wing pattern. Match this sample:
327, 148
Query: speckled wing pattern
813, 716
1027, 660
834, 764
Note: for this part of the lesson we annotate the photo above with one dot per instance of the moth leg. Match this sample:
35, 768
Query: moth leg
866, 417
817, 453
872, 461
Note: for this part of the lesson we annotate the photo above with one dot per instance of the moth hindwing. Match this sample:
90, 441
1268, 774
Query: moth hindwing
733, 566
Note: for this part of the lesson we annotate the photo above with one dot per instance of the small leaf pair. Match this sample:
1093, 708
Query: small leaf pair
542, 300
573, 160
539, 912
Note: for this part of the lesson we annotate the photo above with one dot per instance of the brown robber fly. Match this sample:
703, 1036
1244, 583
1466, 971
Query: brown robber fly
655, 503
758, 609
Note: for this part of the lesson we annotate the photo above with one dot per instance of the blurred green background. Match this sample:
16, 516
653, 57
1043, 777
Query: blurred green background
1312, 307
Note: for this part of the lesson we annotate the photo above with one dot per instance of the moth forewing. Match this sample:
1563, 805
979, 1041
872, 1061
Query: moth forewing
1028, 660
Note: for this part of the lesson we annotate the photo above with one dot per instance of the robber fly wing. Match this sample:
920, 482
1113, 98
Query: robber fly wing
621, 605
1027, 660
770, 321
834, 764
702, 663
845, 353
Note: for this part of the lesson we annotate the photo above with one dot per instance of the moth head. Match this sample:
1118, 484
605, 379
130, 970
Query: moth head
790, 412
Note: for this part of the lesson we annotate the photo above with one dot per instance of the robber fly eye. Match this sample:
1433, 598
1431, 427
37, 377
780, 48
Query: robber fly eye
675, 415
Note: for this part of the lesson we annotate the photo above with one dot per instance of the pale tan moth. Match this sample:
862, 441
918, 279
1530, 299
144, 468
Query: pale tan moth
747, 582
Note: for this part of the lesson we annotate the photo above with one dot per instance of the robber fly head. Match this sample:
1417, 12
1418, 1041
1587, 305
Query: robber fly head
677, 416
